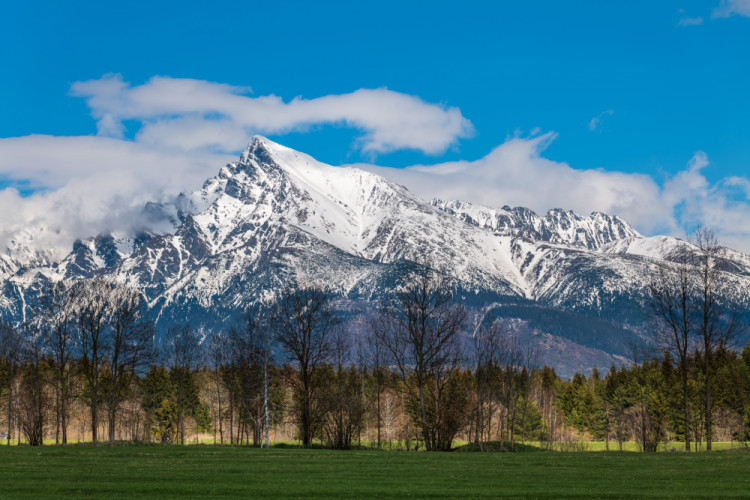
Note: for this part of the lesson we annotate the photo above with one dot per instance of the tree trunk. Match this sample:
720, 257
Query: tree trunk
523, 420
306, 404
240, 424
480, 417
221, 429
231, 419
377, 405
423, 414
709, 437
64, 416
111, 417
182, 424
306, 439
94, 416
57, 414
489, 418
266, 421
686, 404
606, 436
10, 408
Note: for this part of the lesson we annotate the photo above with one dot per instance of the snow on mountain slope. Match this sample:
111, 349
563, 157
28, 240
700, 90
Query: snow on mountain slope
26, 249
558, 226
668, 248
274, 190
656, 247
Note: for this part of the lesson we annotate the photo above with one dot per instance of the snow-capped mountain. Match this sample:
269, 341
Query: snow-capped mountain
24, 250
558, 226
278, 215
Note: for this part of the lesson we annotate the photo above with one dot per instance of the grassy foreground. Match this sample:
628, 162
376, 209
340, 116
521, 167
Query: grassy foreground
206, 471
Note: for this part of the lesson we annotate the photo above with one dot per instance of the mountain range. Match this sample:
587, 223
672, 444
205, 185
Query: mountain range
575, 286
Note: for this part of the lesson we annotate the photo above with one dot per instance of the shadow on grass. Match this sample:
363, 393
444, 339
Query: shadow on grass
498, 447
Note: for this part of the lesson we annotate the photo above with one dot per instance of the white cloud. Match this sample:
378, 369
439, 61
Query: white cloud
516, 174
729, 8
87, 185
741, 183
596, 121
723, 206
690, 21
196, 114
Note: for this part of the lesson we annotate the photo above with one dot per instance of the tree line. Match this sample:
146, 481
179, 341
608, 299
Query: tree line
422, 373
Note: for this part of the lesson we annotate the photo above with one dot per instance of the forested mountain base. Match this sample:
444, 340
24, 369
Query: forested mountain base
424, 373
353, 406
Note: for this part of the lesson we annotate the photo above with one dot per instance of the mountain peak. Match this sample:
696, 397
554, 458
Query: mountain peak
258, 148
259, 140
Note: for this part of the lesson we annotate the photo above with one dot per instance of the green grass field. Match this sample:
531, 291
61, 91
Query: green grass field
206, 471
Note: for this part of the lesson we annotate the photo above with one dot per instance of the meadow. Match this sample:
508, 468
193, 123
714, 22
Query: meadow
140, 471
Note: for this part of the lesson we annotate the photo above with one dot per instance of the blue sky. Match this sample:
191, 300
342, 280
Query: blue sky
642, 90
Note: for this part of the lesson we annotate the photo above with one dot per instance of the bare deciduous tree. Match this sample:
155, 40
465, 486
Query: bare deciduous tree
10, 357
304, 323
250, 356
719, 322
487, 341
342, 399
56, 314
693, 311
34, 398
183, 352
92, 310
673, 303
129, 349
420, 329
217, 356
374, 355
